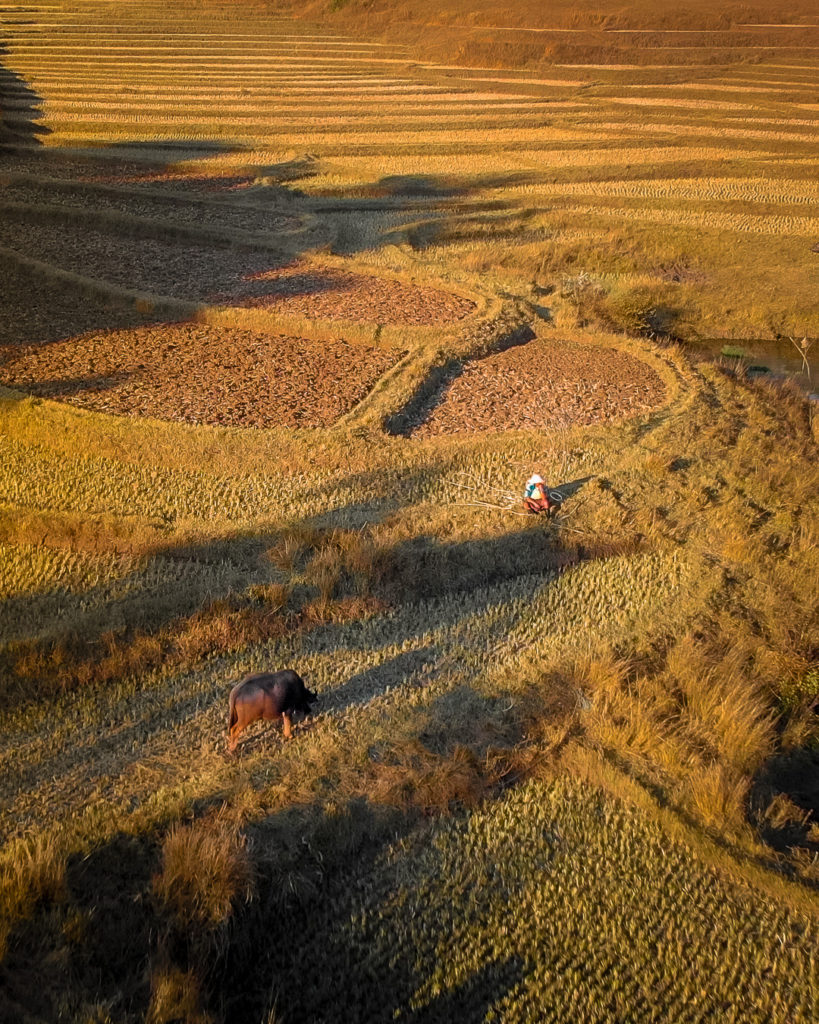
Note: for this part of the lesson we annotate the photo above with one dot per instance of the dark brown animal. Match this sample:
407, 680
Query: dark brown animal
267, 695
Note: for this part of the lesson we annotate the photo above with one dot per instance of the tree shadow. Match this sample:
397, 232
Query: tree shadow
172, 265
309, 862
20, 110
270, 288
427, 566
102, 928
81, 660
307, 858
416, 665
399, 190
37, 310
107, 891
784, 802
109, 934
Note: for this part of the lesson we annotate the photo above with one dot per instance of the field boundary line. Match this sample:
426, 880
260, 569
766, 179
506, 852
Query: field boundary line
144, 302
387, 335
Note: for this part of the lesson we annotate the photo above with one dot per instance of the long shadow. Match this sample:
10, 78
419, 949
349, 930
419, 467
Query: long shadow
67, 386
109, 886
362, 686
36, 309
571, 487
401, 191
420, 572
20, 110
39, 310
307, 860
110, 934
784, 802
422, 569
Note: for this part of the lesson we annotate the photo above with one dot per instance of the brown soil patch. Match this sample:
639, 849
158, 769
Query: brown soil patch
327, 293
174, 266
223, 275
201, 374
544, 384
36, 309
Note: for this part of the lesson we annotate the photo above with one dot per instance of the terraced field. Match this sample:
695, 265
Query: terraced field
287, 317
202, 374
524, 145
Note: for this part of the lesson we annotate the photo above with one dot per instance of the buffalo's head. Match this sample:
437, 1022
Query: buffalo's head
307, 699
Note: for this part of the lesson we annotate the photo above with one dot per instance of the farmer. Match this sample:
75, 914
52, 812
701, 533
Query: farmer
536, 496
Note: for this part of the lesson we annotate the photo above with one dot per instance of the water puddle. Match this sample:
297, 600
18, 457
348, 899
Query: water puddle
763, 358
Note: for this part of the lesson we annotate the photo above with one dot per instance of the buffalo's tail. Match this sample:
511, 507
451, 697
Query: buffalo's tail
232, 716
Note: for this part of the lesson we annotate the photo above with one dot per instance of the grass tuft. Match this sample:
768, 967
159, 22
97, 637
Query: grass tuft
206, 872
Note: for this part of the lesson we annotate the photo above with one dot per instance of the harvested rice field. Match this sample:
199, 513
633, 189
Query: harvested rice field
152, 206
175, 266
293, 302
326, 293
198, 374
543, 386
39, 309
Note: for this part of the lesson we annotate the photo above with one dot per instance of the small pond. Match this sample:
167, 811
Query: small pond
758, 358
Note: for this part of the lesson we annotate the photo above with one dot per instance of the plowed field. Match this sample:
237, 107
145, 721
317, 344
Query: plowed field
202, 374
181, 268
329, 294
544, 384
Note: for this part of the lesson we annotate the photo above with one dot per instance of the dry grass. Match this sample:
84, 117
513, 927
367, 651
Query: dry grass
34, 670
205, 872
31, 871
531, 36
176, 996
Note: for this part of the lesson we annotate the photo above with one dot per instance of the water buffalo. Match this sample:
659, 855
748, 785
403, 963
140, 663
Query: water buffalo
267, 695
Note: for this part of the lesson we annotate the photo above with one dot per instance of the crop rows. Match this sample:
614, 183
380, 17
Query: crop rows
558, 906
92, 595
360, 665
760, 190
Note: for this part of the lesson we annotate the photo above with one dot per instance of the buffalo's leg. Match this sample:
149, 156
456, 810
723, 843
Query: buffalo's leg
233, 736
288, 731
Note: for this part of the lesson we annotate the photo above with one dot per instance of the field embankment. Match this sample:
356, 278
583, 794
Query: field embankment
536, 36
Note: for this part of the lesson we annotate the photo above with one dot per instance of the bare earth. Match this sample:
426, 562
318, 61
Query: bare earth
172, 266
544, 384
329, 294
201, 374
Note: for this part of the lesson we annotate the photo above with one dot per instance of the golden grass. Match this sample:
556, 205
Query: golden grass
31, 870
176, 995
205, 871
